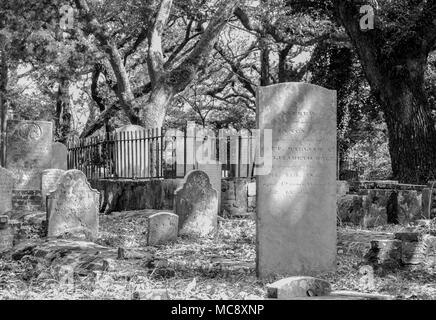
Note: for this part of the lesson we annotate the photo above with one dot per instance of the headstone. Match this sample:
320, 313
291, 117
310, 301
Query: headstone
49, 179
7, 182
130, 148
342, 188
296, 201
162, 228
6, 234
378, 207
426, 202
213, 171
350, 209
73, 207
251, 189
298, 287
59, 154
196, 204
409, 206
28, 151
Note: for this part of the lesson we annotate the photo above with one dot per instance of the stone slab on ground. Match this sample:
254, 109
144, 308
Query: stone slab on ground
82, 257
353, 241
293, 287
407, 236
348, 295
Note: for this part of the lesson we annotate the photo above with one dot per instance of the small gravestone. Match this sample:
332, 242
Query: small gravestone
162, 228
49, 179
6, 234
298, 287
72, 209
196, 204
6, 186
59, 156
28, 151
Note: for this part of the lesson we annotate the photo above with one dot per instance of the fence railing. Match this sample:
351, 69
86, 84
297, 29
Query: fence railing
158, 153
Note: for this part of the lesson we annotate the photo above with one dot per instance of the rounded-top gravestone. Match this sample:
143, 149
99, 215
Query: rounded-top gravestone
59, 156
72, 209
28, 151
196, 204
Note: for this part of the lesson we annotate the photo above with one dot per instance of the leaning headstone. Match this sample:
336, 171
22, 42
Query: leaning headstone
7, 182
298, 287
196, 204
28, 151
59, 154
296, 200
162, 228
72, 209
49, 179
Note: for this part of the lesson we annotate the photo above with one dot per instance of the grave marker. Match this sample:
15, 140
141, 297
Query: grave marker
73, 207
162, 228
58, 156
196, 204
7, 182
28, 151
296, 201
49, 179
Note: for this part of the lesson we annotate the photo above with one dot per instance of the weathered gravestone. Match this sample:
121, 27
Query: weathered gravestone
49, 179
72, 209
196, 204
6, 234
58, 156
296, 200
7, 182
162, 228
28, 151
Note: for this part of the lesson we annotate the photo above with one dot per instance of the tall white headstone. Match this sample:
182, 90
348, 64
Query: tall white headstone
296, 201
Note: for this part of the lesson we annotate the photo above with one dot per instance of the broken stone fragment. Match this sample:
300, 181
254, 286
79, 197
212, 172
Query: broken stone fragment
292, 287
384, 252
407, 236
156, 294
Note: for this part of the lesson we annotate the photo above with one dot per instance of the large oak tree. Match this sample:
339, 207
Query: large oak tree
394, 56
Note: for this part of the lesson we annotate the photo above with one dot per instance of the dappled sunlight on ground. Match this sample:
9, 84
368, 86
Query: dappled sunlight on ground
222, 267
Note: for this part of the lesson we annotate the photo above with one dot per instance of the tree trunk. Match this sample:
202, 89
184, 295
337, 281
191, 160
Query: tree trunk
412, 135
3, 104
397, 82
264, 62
153, 113
63, 111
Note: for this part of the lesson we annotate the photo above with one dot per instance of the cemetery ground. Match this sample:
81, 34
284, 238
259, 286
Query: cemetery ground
222, 267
